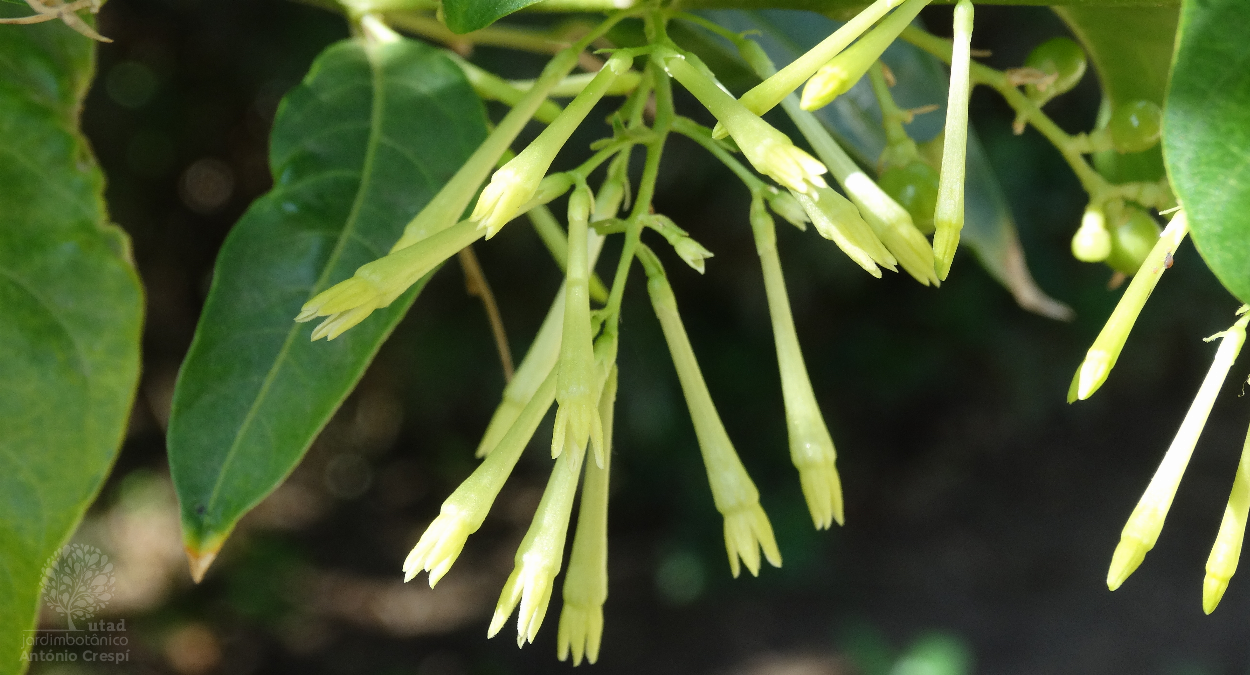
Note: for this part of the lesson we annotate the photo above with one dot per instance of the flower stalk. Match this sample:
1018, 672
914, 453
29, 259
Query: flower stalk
1146, 522
811, 446
948, 217
1102, 355
747, 529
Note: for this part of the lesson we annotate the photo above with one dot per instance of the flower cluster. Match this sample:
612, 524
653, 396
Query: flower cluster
571, 364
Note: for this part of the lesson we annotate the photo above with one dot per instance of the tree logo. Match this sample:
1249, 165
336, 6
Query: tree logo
78, 582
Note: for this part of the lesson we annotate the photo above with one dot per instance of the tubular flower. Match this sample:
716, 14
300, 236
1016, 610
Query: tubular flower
1226, 552
577, 417
948, 217
771, 152
1102, 355
380, 282
586, 583
777, 85
841, 72
541, 552
837, 220
811, 446
747, 529
516, 182
465, 510
1146, 522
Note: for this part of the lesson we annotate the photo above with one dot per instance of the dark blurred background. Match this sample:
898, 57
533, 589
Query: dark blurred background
981, 510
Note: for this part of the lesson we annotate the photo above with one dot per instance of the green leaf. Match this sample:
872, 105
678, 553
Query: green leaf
466, 16
72, 311
1130, 49
989, 229
1206, 135
357, 149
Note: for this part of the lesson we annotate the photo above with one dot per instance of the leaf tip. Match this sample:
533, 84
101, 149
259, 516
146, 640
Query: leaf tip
199, 562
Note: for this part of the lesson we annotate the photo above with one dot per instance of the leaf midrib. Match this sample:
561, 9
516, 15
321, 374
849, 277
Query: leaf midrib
365, 176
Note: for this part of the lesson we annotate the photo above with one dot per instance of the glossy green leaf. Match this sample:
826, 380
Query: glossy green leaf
72, 311
989, 230
1131, 50
465, 16
357, 149
1206, 135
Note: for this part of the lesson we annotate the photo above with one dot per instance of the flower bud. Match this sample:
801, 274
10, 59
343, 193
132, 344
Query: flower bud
692, 252
1092, 241
785, 205
1146, 522
842, 71
1226, 552
948, 217
1102, 355
777, 85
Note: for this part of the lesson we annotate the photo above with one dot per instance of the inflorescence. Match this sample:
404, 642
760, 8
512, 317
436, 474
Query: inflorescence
571, 363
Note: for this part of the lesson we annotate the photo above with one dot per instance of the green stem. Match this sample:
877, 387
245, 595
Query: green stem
509, 37
664, 116
900, 147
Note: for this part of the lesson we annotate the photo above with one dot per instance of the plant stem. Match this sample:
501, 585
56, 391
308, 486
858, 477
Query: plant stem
664, 116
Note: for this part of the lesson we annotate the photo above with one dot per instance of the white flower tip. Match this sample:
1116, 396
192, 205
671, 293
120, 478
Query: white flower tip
827, 84
1129, 554
822, 489
747, 531
790, 166
337, 324
438, 548
530, 585
581, 630
1213, 588
339, 298
501, 199
1093, 372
